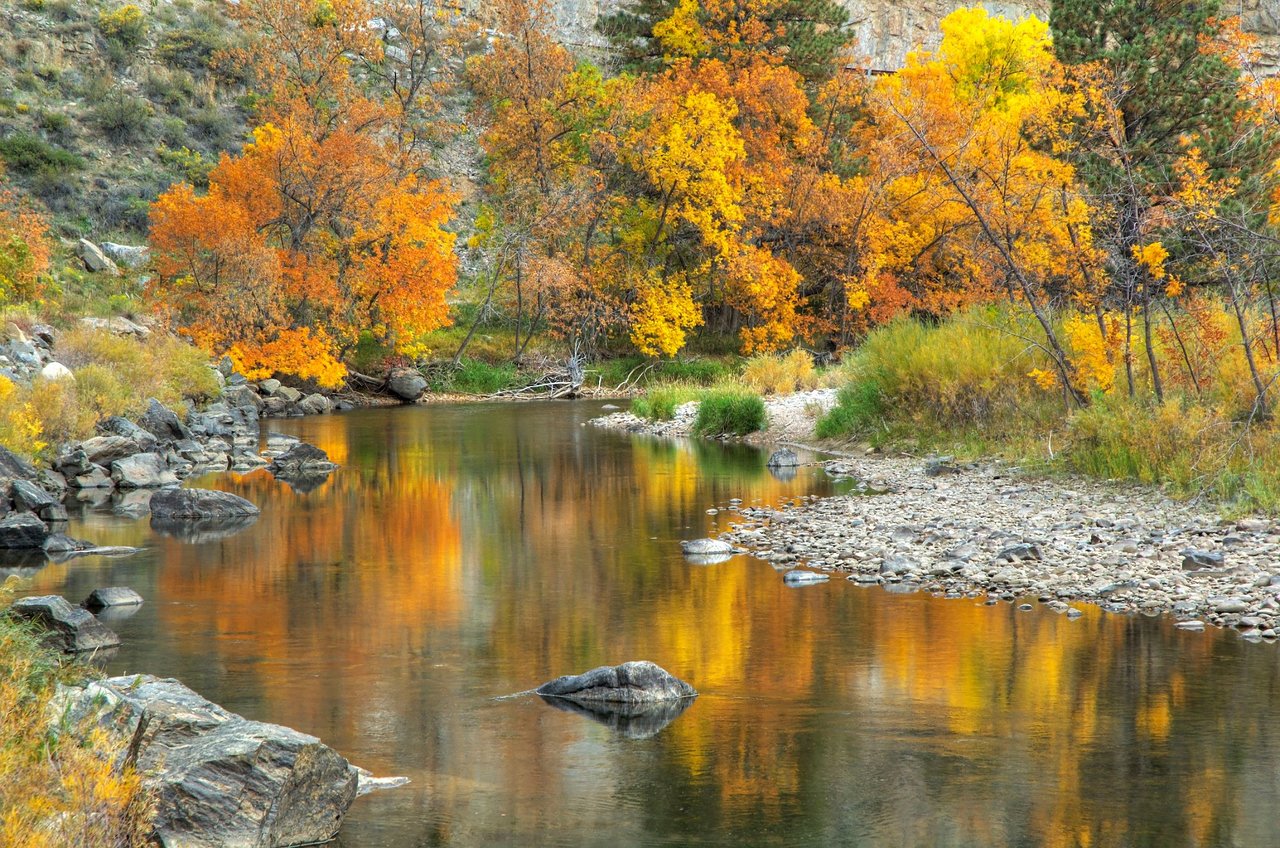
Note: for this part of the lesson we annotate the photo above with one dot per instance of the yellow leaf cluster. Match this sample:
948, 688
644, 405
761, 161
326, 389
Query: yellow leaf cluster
662, 313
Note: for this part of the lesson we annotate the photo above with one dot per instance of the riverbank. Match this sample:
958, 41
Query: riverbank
989, 530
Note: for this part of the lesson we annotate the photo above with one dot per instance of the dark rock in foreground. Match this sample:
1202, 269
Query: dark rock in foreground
207, 504
635, 721
629, 683
69, 628
219, 779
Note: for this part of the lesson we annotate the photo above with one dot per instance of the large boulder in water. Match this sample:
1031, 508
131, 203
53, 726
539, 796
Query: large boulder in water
218, 779
68, 628
629, 683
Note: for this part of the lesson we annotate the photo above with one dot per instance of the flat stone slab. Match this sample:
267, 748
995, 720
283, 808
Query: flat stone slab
637, 682
69, 628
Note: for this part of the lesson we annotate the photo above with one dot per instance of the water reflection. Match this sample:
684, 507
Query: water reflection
462, 553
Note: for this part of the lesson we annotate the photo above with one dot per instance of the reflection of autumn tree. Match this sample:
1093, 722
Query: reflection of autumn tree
462, 553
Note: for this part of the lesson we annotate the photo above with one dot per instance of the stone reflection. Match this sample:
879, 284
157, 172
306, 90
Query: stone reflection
634, 721
203, 530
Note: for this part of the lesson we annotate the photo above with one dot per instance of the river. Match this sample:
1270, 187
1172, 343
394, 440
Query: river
463, 553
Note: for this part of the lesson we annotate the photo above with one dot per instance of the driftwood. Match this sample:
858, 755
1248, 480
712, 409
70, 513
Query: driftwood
565, 382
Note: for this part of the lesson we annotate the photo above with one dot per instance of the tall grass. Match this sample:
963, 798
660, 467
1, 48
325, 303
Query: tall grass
776, 374
964, 384
731, 412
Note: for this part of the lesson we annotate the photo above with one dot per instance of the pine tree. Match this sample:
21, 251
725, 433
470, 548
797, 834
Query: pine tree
813, 33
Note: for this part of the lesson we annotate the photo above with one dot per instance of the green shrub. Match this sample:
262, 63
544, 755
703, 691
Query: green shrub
126, 25
123, 117
55, 123
729, 413
189, 164
27, 154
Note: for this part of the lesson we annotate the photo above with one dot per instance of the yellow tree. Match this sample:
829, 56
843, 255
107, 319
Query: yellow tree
970, 198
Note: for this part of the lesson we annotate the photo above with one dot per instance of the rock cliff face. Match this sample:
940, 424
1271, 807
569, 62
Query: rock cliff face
888, 29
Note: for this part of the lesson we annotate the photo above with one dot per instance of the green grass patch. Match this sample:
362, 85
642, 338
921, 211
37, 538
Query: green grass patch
729, 412
660, 402
475, 377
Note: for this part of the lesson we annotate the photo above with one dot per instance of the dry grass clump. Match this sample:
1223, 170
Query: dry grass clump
114, 375
779, 374
57, 788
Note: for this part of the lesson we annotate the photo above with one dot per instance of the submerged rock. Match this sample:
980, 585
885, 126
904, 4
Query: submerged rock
799, 577
68, 628
638, 682
706, 547
218, 779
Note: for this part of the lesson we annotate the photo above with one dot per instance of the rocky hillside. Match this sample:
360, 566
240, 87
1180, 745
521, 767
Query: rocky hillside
104, 104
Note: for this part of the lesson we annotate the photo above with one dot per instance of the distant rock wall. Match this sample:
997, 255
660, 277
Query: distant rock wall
888, 29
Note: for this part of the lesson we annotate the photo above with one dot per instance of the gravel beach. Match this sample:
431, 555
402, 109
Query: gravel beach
987, 530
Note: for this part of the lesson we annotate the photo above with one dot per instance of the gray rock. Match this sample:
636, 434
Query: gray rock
111, 596
115, 425
1193, 560
315, 404
22, 530
940, 465
105, 449
301, 459
54, 372
94, 259
242, 397
129, 256
629, 683
1019, 552
407, 384
170, 504
706, 547
160, 422
289, 394
96, 478
14, 467
142, 471
783, 458
68, 628
28, 497
1230, 605
218, 779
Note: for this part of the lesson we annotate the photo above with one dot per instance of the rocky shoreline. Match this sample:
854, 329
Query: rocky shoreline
987, 530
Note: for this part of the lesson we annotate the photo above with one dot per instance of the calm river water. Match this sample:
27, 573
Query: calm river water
468, 552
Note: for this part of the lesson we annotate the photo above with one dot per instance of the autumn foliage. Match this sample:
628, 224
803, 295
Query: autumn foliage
324, 227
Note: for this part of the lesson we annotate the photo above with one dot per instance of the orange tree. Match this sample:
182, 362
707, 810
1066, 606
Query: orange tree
324, 227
